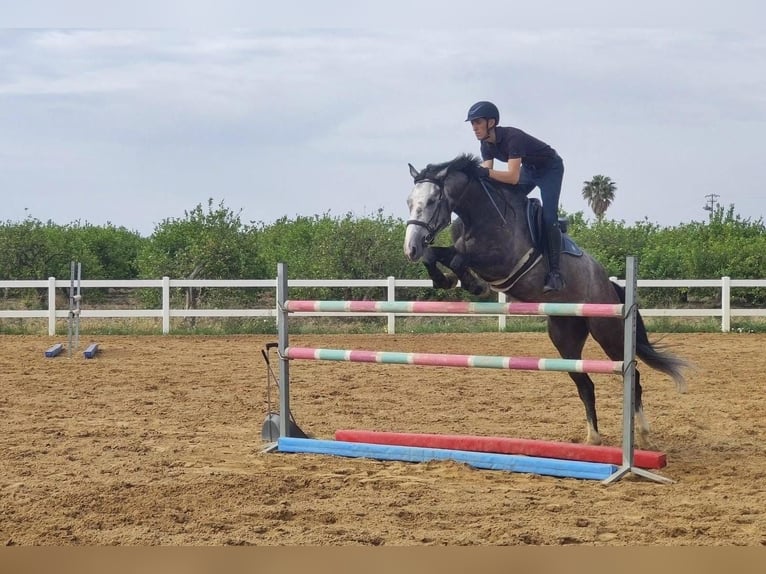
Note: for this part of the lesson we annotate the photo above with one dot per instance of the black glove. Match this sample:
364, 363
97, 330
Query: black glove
482, 172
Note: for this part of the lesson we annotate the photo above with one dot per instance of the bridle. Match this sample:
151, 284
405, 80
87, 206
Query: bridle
433, 229
429, 225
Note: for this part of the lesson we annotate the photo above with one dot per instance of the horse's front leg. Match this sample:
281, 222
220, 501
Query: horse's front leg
468, 279
443, 255
458, 268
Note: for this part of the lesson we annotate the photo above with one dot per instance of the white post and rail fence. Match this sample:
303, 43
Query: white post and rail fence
165, 312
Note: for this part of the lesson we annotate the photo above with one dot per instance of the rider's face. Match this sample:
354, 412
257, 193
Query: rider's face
480, 128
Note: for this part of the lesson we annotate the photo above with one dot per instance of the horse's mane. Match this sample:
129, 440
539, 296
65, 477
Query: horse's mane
467, 163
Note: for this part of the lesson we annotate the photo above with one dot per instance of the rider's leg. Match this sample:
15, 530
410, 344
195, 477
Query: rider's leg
554, 281
550, 191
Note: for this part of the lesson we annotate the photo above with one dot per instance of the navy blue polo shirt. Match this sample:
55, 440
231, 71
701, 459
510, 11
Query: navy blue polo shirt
513, 143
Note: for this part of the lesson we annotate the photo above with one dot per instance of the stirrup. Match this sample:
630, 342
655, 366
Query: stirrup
553, 282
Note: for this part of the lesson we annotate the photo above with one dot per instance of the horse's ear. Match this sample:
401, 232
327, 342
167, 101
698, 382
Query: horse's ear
413, 172
442, 174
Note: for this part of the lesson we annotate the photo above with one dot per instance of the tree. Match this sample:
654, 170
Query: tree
599, 193
205, 244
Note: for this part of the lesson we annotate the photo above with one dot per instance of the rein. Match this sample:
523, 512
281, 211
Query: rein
492, 200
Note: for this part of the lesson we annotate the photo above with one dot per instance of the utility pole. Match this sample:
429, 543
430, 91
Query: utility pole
712, 202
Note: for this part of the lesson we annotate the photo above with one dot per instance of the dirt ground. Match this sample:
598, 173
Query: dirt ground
156, 441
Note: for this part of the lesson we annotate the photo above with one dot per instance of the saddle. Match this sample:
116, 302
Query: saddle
534, 216
535, 224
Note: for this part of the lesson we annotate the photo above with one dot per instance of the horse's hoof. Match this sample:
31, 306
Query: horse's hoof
593, 437
447, 282
644, 442
482, 291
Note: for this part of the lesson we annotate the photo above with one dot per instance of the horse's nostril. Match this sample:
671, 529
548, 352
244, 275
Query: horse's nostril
412, 253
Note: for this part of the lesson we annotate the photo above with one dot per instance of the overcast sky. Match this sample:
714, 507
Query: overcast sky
108, 116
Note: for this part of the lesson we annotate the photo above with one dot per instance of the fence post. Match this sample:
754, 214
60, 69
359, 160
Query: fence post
165, 305
391, 296
501, 298
725, 304
283, 342
51, 306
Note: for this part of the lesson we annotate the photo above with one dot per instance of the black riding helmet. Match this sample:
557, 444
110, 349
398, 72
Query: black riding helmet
483, 110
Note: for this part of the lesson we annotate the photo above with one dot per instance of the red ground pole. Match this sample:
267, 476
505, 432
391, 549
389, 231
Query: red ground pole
541, 448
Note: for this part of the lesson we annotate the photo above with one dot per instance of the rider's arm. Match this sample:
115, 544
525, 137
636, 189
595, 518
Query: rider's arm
510, 176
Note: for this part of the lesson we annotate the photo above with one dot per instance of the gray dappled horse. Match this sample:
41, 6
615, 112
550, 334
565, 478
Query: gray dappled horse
493, 248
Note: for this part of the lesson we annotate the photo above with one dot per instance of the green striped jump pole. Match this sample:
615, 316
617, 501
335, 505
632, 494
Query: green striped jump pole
445, 360
459, 307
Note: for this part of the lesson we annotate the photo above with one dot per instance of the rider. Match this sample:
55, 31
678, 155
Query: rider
530, 161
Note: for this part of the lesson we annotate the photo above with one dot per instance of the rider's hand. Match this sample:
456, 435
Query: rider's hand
482, 172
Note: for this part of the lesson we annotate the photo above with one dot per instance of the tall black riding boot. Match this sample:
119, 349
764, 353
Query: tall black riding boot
553, 280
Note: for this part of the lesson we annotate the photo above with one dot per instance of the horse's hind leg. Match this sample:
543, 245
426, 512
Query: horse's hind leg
609, 334
569, 335
644, 441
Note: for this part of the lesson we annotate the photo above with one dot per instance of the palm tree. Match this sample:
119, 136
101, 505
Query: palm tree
599, 193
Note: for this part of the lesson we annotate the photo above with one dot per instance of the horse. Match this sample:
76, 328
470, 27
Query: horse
495, 248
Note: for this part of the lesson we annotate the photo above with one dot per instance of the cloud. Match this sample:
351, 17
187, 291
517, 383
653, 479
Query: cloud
304, 121
394, 14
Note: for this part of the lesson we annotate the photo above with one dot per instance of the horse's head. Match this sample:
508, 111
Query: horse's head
431, 202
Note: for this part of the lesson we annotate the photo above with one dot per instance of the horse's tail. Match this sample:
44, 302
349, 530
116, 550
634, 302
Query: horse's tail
655, 355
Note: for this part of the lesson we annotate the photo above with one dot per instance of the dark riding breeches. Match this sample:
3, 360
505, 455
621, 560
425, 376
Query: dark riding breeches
548, 179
